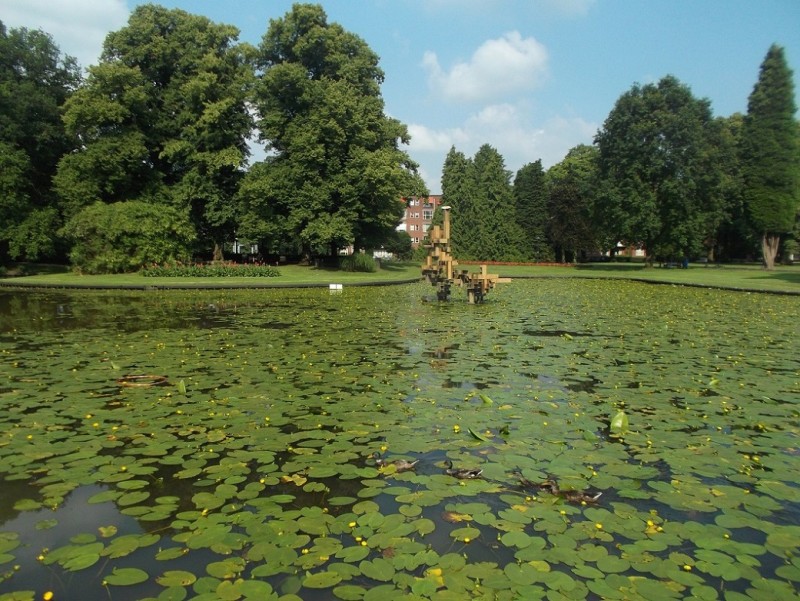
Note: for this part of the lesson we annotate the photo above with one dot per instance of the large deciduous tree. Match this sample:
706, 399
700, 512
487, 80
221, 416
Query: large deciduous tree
659, 183
530, 195
35, 81
335, 171
770, 154
163, 119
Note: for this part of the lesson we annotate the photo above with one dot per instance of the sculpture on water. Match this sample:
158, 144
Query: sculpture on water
439, 267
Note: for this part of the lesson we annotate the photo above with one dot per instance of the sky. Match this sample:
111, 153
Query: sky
532, 78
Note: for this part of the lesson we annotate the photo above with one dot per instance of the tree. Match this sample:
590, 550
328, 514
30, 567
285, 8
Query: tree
530, 195
499, 235
336, 173
400, 245
658, 181
571, 188
163, 119
457, 193
770, 154
35, 81
121, 237
728, 231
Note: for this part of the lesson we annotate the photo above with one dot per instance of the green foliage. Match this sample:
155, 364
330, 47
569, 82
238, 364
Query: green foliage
571, 190
35, 80
660, 184
210, 270
483, 219
400, 245
770, 155
162, 119
361, 262
457, 193
530, 196
337, 170
124, 236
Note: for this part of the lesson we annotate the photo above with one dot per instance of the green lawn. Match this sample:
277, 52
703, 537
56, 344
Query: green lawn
747, 277
740, 277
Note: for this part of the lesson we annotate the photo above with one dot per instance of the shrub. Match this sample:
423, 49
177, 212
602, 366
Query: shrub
124, 236
211, 270
358, 262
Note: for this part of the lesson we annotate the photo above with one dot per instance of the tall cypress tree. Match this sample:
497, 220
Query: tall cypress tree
457, 191
497, 231
530, 195
770, 154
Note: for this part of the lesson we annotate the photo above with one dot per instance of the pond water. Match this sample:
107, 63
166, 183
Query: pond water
221, 444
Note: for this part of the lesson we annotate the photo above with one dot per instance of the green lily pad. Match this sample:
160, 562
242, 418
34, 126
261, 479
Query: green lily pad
322, 580
126, 577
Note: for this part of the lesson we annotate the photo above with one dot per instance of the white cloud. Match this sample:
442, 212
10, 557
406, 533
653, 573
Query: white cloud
78, 27
506, 127
498, 67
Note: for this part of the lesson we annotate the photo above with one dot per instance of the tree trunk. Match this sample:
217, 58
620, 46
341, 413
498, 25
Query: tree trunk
218, 253
769, 249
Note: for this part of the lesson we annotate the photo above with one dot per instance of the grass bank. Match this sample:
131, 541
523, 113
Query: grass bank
784, 279
290, 275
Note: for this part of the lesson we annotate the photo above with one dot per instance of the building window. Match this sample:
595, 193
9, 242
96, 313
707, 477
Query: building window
427, 214
415, 215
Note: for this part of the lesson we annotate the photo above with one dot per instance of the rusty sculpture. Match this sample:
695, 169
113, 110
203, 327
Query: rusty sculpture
439, 267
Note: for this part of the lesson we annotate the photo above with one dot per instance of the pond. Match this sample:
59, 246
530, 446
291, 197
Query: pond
241, 444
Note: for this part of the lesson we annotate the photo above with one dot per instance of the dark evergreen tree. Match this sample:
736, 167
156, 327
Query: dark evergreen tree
530, 195
457, 193
770, 154
494, 222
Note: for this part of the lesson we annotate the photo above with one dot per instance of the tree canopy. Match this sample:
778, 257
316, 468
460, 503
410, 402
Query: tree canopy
162, 119
35, 81
659, 181
165, 122
571, 187
335, 172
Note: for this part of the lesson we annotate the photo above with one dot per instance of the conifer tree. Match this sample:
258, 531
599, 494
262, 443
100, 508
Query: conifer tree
495, 220
457, 191
770, 154
530, 195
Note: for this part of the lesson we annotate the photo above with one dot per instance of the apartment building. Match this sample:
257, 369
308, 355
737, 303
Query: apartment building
418, 216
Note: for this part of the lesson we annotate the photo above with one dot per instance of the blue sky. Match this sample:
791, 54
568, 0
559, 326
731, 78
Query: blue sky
533, 78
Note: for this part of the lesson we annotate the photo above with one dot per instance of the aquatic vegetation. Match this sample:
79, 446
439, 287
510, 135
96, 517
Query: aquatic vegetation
243, 466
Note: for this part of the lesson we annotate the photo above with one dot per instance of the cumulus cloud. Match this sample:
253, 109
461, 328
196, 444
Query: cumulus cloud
506, 127
78, 27
498, 67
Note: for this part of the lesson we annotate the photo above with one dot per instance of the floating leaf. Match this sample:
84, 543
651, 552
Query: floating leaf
322, 580
477, 435
126, 577
619, 423
176, 578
